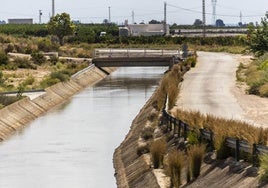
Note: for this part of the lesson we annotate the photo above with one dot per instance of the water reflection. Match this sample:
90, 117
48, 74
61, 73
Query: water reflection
72, 146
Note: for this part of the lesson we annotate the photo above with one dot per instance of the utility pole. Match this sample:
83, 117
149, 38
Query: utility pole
204, 18
40, 15
165, 18
214, 3
53, 8
133, 21
241, 16
109, 14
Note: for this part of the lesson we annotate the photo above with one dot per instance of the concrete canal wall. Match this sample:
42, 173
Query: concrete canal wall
132, 170
17, 115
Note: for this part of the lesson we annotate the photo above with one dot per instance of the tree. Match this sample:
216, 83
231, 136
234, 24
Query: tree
220, 23
258, 37
105, 21
154, 22
61, 26
198, 22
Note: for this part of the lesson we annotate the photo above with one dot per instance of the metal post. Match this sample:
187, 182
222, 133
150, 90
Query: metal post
53, 8
109, 14
204, 18
165, 18
184, 131
237, 150
211, 140
201, 135
179, 129
40, 16
254, 155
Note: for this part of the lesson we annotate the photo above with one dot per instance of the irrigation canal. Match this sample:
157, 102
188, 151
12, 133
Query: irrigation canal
72, 145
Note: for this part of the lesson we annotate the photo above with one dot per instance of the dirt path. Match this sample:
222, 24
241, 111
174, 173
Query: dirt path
211, 88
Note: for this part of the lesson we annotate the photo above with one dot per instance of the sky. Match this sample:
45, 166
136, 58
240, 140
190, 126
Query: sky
95, 11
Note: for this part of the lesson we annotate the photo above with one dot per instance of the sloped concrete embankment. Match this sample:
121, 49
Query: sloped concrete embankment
132, 170
17, 115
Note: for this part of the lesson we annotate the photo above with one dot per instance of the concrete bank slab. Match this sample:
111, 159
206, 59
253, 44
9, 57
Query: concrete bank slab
17, 115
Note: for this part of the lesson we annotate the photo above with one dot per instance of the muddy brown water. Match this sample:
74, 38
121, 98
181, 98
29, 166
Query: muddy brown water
72, 145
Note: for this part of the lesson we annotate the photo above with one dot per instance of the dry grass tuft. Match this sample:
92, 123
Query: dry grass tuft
176, 162
196, 154
158, 150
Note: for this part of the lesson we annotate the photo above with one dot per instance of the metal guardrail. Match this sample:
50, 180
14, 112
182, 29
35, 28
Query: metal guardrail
105, 53
180, 129
82, 71
25, 91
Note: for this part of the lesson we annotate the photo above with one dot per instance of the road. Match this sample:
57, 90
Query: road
211, 88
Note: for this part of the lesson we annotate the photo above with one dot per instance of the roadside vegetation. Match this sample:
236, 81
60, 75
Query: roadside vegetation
181, 158
255, 74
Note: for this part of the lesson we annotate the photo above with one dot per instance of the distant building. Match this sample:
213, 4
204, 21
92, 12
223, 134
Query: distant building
20, 21
143, 30
124, 31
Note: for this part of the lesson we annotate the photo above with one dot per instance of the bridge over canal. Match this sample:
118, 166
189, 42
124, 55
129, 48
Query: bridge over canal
135, 57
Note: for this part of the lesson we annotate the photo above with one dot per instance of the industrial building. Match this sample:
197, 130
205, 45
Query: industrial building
20, 21
143, 30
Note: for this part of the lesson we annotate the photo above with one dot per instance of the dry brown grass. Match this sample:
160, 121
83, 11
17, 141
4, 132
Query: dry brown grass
169, 87
176, 161
223, 128
158, 150
196, 155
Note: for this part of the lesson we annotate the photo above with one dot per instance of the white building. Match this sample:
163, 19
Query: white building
147, 29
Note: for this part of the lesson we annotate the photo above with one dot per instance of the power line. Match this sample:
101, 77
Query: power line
208, 13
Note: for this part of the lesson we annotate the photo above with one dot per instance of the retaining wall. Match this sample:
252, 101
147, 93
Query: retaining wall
17, 115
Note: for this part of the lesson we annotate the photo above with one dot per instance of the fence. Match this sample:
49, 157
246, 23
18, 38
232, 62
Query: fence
180, 129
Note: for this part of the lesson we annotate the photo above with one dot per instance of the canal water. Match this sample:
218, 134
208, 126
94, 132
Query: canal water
72, 145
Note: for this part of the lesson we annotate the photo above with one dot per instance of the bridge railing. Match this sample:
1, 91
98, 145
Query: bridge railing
106, 53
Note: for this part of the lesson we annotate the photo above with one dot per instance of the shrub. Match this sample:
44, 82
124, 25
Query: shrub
28, 81
54, 59
191, 61
46, 45
24, 63
175, 164
38, 58
48, 82
60, 75
9, 48
264, 168
196, 154
264, 90
3, 58
192, 138
7, 100
147, 133
158, 150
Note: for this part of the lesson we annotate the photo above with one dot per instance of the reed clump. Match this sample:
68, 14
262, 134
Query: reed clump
264, 168
158, 150
196, 154
168, 88
176, 161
